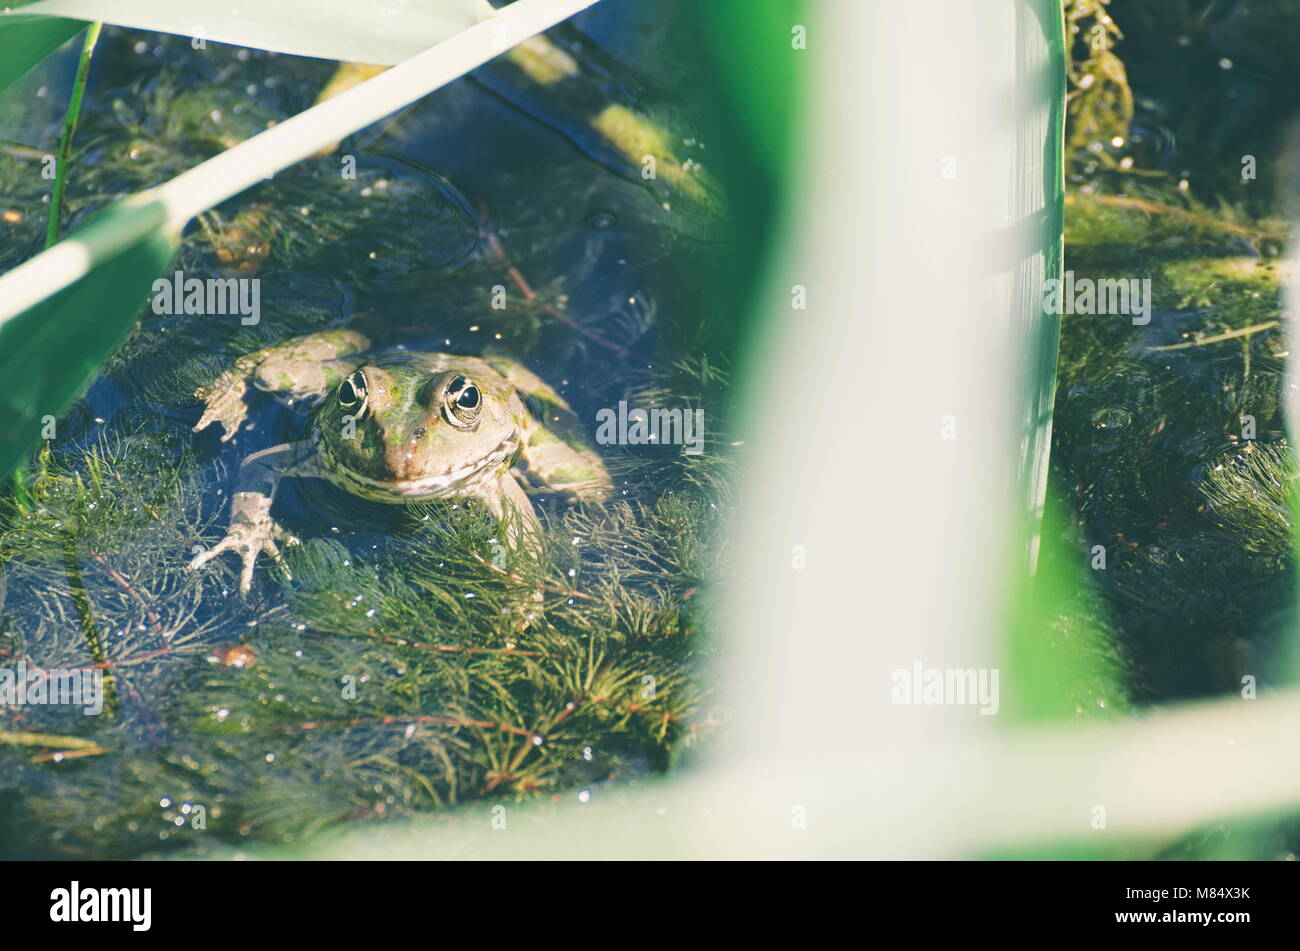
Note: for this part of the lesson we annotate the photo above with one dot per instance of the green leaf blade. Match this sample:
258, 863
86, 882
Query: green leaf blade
26, 40
50, 352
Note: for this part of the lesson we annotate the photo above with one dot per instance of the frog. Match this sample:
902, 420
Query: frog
399, 426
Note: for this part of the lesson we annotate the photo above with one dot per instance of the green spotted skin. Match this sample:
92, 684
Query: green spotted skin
400, 426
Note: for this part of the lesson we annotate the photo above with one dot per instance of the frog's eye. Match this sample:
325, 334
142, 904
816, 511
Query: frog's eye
352, 392
463, 403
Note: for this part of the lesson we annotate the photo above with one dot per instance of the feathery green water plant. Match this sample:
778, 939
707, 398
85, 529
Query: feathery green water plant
405, 673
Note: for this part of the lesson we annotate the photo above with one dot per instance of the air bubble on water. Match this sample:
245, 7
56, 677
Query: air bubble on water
537, 739
222, 714
584, 795
140, 47
270, 757
587, 753
1225, 63
1112, 418
164, 802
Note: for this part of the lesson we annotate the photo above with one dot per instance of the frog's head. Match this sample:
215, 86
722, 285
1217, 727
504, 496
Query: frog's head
398, 429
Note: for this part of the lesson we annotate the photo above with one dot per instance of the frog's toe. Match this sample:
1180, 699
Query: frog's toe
203, 557
272, 547
249, 557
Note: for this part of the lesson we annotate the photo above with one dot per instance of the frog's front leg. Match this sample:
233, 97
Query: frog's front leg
510, 505
252, 530
304, 366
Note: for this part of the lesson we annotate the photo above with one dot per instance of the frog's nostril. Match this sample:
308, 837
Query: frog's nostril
419, 433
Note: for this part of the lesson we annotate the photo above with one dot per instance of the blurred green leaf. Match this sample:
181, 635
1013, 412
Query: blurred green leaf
26, 40
50, 351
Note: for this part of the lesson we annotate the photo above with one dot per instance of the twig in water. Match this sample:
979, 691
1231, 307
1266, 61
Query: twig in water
530, 295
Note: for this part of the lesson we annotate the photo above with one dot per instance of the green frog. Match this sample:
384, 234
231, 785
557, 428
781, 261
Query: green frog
399, 426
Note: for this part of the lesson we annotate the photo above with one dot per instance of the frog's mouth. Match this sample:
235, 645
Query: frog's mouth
449, 482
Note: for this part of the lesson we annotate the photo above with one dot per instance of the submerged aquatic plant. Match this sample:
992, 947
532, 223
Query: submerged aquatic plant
1100, 102
400, 675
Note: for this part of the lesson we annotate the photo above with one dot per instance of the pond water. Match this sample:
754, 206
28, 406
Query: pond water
1170, 447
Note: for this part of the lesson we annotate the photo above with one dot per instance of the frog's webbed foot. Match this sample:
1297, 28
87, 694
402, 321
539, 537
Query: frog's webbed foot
299, 367
249, 539
224, 403
252, 530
